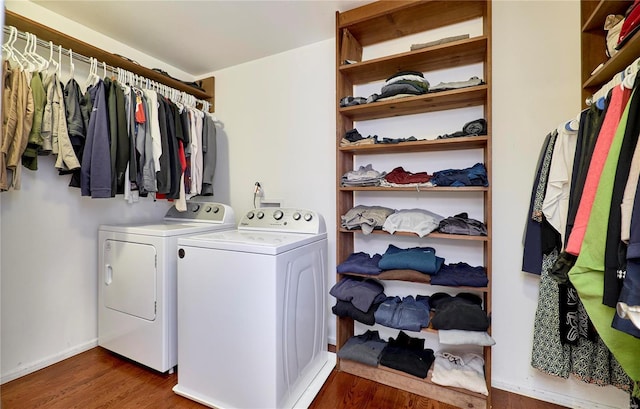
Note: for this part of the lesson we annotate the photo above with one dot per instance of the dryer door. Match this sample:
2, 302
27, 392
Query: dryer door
129, 278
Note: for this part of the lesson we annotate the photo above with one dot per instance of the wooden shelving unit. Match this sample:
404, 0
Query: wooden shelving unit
593, 44
370, 25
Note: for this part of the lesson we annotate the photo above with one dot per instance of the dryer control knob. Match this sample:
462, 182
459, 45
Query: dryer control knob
278, 214
196, 207
308, 216
216, 209
250, 215
207, 209
296, 216
260, 215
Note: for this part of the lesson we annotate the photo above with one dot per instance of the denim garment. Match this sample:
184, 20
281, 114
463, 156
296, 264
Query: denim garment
360, 292
460, 274
360, 263
366, 348
408, 355
411, 314
473, 176
421, 259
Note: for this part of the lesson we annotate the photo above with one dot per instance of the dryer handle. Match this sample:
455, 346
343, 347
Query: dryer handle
108, 274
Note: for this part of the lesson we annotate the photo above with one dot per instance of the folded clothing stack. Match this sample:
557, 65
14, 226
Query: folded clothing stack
408, 313
408, 355
358, 298
464, 311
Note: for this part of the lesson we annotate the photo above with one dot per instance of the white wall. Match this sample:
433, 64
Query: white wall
279, 130
279, 118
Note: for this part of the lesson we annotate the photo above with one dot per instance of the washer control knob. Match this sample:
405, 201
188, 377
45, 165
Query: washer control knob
296, 216
308, 217
216, 209
207, 209
250, 215
196, 207
278, 214
260, 215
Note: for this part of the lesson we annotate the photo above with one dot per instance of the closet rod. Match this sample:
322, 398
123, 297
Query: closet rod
165, 89
43, 32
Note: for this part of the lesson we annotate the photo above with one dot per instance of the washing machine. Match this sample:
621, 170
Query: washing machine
252, 312
137, 282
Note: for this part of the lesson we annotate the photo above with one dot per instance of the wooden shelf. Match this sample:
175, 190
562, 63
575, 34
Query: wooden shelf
603, 8
387, 20
627, 54
375, 23
430, 145
454, 54
48, 34
414, 189
411, 276
458, 397
429, 102
434, 235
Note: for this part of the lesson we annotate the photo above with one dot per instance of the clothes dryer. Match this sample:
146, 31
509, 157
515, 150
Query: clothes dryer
137, 282
252, 312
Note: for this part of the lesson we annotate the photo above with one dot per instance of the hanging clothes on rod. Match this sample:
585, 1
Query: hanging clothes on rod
590, 267
123, 135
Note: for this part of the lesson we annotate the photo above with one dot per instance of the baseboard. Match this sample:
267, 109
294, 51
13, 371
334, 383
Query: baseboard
551, 397
50, 360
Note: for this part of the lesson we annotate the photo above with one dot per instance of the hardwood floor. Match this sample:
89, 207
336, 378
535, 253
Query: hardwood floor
98, 379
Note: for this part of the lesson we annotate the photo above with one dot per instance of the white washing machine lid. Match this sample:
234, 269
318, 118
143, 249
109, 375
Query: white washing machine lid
257, 242
167, 228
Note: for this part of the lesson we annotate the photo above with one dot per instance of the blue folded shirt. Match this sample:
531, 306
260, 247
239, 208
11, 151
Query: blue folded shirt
421, 259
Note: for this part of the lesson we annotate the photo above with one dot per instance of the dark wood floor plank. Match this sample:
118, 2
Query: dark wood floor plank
99, 379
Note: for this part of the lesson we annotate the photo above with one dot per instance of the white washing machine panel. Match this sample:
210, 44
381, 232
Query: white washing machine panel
251, 317
137, 282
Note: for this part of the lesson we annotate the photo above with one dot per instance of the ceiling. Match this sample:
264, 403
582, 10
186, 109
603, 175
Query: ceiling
199, 37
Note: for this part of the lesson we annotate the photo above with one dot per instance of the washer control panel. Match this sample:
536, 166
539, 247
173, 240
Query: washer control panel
293, 220
202, 211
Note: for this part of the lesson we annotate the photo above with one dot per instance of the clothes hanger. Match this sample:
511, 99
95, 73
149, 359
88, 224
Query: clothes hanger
572, 125
15, 54
43, 64
59, 68
32, 63
72, 67
53, 65
90, 76
6, 50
